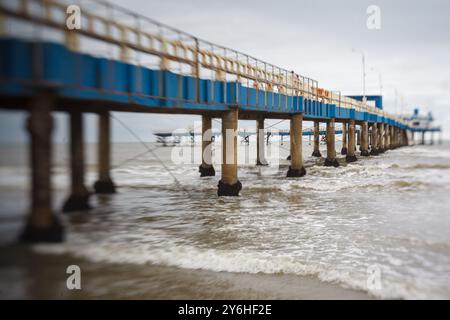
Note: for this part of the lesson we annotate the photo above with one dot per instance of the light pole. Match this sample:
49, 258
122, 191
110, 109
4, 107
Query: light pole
364, 72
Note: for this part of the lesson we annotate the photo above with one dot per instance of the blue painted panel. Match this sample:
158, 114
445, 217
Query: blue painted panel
204, 89
261, 99
232, 92
323, 110
145, 101
112, 75
189, 88
170, 84
119, 78
332, 111
290, 103
352, 114
133, 78
16, 59
359, 115
276, 101
269, 100
282, 102
251, 97
145, 81
60, 65
218, 92
298, 104
307, 106
344, 113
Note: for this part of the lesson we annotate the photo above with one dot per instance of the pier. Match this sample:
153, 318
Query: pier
160, 69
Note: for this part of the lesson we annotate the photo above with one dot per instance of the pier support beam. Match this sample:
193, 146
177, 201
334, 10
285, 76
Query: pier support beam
79, 197
42, 225
358, 138
331, 161
316, 152
351, 157
374, 140
392, 138
296, 168
229, 185
405, 137
364, 139
260, 150
386, 137
206, 169
422, 142
344, 149
104, 185
380, 142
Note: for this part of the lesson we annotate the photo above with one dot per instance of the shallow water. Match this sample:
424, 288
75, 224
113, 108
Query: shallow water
379, 225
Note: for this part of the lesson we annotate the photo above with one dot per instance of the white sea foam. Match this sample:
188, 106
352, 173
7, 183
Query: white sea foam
240, 261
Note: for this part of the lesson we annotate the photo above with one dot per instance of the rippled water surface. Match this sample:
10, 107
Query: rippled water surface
385, 218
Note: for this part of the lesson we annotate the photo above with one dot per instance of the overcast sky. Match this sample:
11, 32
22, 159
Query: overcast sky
314, 38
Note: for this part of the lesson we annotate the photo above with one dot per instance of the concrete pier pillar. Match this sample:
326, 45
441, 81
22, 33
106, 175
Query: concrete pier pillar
380, 142
405, 137
364, 139
79, 197
42, 225
358, 138
229, 185
374, 140
386, 137
351, 157
206, 169
422, 142
392, 137
316, 152
344, 149
260, 149
104, 184
296, 168
331, 161
413, 138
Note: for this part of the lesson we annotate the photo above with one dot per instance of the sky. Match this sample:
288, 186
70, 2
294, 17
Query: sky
319, 39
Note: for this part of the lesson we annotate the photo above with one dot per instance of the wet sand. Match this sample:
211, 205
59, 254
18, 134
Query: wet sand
25, 274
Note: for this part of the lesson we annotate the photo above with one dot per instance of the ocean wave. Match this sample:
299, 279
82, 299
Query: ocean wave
237, 261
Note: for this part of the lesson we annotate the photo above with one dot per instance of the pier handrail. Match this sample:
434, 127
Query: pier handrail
132, 31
